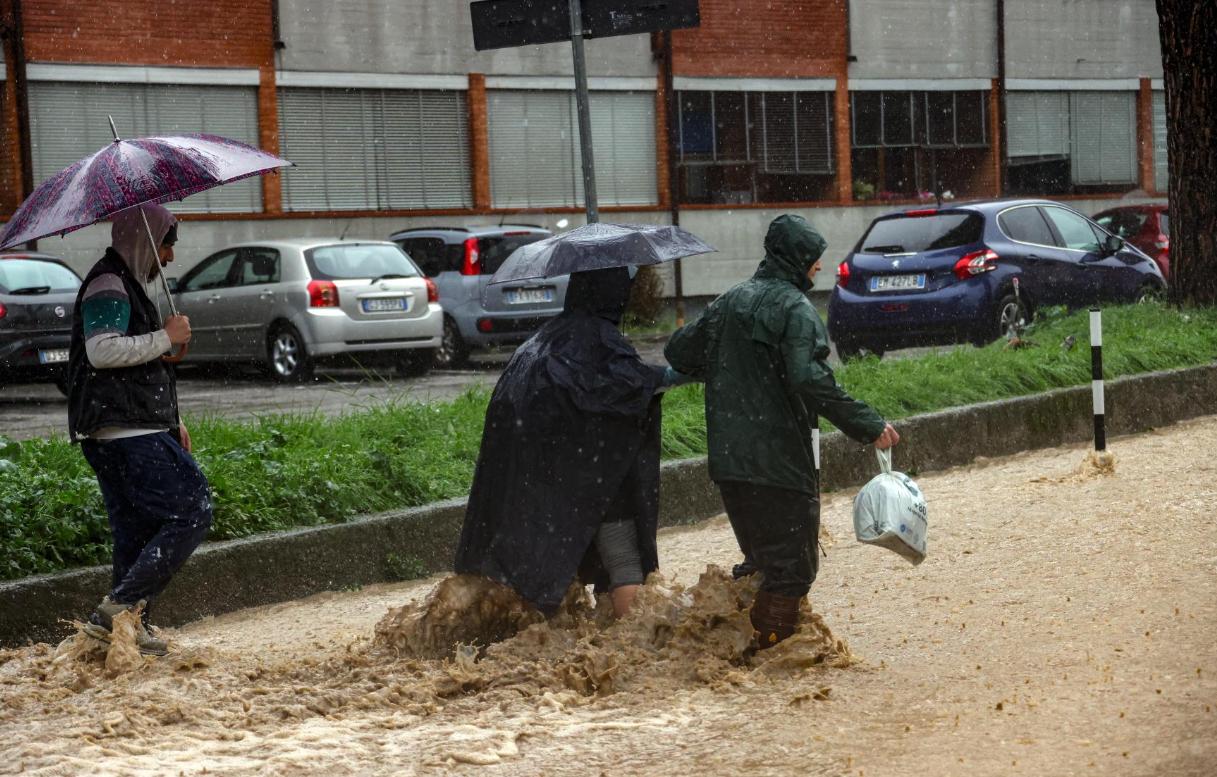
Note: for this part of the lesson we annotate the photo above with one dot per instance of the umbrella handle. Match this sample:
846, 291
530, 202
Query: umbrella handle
174, 358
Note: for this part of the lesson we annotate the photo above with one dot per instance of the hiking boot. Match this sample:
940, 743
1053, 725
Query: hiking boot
775, 617
101, 622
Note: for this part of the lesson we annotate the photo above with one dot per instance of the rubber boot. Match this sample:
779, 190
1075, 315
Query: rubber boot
774, 617
102, 621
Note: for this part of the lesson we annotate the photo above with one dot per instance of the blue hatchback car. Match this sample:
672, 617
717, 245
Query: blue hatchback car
971, 272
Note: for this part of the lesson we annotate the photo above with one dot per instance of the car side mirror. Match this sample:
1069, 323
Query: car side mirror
172, 284
1112, 244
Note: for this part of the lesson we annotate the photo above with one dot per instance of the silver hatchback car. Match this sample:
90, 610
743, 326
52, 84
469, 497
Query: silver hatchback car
289, 303
476, 314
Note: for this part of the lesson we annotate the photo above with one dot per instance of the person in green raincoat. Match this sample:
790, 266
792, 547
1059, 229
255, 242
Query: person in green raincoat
762, 351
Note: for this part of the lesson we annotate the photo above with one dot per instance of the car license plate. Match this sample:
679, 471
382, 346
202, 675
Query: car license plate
526, 296
53, 356
384, 304
897, 282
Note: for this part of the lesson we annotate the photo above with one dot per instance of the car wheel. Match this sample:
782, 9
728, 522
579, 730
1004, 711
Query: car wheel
415, 362
453, 350
1150, 292
1011, 313
286, 356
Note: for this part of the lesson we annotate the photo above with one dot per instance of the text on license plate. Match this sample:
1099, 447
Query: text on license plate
524, 296
53, 356
897, 282
383, 304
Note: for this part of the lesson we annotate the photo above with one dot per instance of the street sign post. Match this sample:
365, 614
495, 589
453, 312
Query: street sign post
501, 24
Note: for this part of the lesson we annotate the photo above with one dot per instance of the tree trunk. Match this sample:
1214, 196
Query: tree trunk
1188, 31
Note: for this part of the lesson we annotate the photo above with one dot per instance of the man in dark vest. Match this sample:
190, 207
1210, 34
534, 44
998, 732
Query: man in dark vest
122, 409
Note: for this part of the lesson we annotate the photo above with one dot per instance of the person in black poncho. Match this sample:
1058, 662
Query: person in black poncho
567, 479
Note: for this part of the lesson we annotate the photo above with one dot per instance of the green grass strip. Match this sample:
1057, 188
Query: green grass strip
284, 471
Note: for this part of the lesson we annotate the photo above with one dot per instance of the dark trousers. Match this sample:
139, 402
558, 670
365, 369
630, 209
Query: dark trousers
777, 530
159, 505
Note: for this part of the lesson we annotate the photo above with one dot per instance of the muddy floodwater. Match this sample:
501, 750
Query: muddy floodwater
1064, 623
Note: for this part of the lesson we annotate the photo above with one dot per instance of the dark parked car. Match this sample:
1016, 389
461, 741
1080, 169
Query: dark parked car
971, 272
461, 260
1148, 227
37, 294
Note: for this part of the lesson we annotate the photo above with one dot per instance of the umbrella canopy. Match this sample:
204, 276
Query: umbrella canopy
132, 172
599, 246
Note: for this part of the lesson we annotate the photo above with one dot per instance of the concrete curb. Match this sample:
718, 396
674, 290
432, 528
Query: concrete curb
226, 576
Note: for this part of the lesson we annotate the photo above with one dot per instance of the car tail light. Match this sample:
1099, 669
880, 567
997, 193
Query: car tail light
470, 267
976, 263
485, 325
322, 294
843, 273
432, 290
3, 310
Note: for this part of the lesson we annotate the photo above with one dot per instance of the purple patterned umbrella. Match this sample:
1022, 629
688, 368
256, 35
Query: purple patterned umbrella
134, 172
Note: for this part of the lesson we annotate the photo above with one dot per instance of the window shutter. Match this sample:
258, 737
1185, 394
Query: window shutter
374, 149
228, 111
69, 121
778, 127
1037, 124
623, 147
1161, 171
534, 148
814, 136
1103, 137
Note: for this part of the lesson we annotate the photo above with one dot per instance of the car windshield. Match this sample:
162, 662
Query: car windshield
1122, 223
910, 234
493, 251
36, 276
1164, 224
357, 261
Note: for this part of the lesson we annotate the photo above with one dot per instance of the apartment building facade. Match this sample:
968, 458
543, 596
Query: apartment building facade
836, 109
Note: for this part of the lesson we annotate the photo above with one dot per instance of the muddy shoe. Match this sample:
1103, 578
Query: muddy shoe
102, 621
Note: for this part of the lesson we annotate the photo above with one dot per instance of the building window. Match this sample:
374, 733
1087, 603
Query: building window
534, 148
1161, 171
374, 149
68, 121
741, 147
1071, 142
908, 144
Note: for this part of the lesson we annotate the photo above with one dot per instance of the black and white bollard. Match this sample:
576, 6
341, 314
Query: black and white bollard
1096, 377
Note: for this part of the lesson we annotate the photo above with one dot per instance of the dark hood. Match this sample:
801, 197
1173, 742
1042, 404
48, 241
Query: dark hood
600, 293
792, 246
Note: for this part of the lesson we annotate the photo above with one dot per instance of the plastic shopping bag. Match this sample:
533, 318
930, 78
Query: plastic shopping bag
890, 512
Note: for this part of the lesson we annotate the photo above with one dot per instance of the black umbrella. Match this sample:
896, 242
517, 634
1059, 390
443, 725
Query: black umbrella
597, 247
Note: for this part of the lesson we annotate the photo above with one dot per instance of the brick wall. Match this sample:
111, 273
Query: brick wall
770, 38
192, 33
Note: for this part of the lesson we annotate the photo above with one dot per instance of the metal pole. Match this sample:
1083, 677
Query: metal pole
585, 116
22, 97
1096, 378
672, 133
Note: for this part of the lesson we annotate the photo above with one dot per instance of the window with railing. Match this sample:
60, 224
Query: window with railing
916, 143
743, 147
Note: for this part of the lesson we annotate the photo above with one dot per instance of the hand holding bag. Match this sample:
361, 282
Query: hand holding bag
890, 512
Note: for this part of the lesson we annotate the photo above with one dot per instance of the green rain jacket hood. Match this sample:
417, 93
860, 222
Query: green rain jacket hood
762, 351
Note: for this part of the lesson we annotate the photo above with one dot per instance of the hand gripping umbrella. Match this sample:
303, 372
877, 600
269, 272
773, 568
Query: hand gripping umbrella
129, 173
599, 246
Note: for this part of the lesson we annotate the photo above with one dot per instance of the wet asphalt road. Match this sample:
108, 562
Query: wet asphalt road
39, 410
